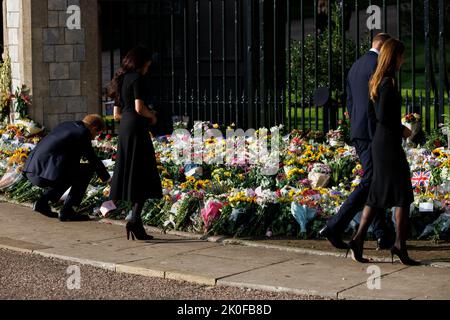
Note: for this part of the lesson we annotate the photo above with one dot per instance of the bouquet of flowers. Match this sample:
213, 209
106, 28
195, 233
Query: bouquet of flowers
210, 213
413, 123
411, 118
320, 168
336, 138
22, 101
319, 175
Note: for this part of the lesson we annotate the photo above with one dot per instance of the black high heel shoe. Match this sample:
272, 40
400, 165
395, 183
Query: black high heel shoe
357, 252
403, 256
136, 231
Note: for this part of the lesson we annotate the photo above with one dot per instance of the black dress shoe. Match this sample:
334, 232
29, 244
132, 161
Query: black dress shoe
42, 207
68, 214
334, 239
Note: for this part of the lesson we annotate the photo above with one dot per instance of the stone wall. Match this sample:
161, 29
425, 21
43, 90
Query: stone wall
64, 79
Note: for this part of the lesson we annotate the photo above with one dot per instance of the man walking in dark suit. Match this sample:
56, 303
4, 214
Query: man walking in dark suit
362, 130
54, 164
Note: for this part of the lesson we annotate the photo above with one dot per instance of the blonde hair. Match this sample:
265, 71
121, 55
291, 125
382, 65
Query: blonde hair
390, 53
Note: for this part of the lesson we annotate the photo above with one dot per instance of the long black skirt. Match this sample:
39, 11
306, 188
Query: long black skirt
136, 176
391, 180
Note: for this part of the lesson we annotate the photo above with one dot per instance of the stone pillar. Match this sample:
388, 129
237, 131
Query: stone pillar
64, 80
12, 36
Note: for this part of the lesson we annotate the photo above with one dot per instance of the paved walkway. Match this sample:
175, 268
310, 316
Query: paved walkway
206, 262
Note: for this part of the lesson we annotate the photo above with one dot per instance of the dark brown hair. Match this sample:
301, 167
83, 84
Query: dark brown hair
381, 37
134, 61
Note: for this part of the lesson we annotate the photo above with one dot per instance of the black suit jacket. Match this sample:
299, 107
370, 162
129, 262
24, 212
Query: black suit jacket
57, 157
362, 123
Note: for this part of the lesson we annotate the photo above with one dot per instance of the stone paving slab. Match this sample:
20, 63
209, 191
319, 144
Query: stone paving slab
248, 254
119, 250
18, 245
55, 238
170, 256
198, 268
314, 275
410, 283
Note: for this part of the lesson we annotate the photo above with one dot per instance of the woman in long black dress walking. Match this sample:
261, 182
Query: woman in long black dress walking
391, 182
136, 176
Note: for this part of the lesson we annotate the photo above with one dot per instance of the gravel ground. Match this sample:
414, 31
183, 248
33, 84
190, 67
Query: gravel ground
29, 276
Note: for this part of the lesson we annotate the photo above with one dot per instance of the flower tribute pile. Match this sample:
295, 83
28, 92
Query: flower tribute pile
314, 175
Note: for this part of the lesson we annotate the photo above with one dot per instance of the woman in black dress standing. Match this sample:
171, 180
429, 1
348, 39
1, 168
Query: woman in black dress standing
391, 182
136, 176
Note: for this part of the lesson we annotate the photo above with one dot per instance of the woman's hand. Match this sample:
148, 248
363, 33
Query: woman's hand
152, 118
117, 113
145, 111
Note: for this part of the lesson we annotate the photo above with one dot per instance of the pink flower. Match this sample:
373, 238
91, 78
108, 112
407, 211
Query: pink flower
211, 213
305, 182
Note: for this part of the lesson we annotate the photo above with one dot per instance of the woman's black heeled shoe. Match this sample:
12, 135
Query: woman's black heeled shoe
357, 252
137, 231
128, 234
403, 256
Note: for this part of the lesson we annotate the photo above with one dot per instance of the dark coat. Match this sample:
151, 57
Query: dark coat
57, 157
362, 124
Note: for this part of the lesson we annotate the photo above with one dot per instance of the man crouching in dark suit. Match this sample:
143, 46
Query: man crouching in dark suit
54, 164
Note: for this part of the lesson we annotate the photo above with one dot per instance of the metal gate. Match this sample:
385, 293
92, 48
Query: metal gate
259, 62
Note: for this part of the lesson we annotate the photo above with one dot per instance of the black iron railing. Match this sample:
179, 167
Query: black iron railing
258, 62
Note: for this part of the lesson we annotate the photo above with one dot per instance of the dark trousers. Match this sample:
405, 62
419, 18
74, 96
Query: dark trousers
54, 190
357, 199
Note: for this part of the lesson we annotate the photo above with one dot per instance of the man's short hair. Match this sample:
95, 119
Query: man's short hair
95, 121
381, 37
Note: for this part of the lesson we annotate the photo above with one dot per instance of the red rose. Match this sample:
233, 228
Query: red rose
108, 137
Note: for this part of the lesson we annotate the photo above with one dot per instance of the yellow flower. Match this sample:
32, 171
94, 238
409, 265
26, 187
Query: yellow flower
290, 162
19, 157
201, 184
167, 184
